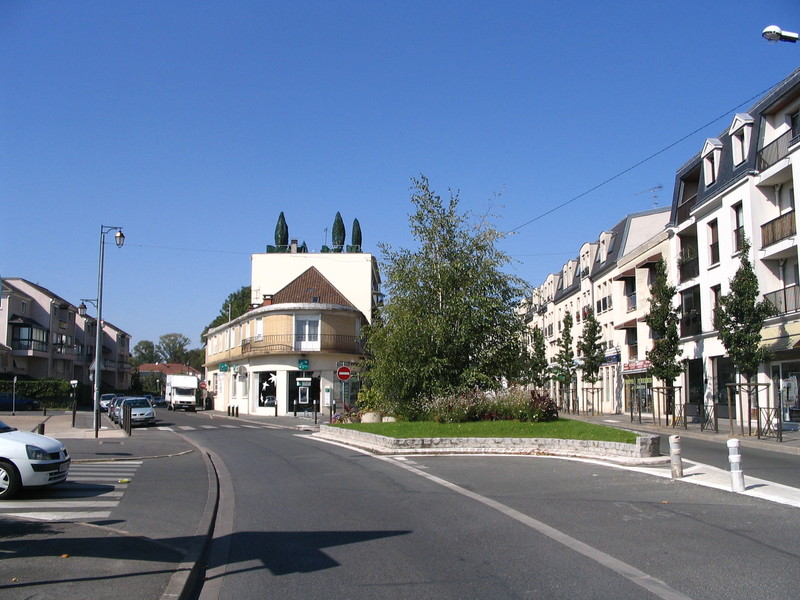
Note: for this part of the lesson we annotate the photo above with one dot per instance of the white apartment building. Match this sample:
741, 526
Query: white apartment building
740, 184
305, 322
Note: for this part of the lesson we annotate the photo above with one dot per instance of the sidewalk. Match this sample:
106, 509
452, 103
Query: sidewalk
144, 549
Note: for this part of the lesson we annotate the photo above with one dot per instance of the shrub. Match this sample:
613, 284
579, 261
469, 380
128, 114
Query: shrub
479, 406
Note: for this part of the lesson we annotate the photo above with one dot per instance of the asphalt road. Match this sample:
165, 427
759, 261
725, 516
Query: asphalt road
300, 518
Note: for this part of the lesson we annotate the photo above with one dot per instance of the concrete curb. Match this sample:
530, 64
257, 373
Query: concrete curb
644, 453
183, 582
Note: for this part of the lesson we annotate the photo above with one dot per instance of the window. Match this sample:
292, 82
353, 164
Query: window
738, 227
794, 121
306, 333
740, 131
716, 292
711, 153
713, 242
690, 307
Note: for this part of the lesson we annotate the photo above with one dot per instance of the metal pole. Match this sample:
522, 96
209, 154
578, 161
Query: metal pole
98, 338
735, 459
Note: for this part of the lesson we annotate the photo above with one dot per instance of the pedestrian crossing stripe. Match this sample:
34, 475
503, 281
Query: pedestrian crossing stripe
91, 491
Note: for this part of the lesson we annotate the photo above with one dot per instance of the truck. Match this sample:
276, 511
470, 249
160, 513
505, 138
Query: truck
180, 392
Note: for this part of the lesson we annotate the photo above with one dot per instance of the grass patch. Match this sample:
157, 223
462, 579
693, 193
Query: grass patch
565, 429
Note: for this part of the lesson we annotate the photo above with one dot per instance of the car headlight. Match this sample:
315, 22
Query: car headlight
36, 453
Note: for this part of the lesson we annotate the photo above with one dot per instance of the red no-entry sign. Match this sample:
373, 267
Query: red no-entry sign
343, 373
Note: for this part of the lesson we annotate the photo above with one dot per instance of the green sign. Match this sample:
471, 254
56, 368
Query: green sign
223, 367
302, 364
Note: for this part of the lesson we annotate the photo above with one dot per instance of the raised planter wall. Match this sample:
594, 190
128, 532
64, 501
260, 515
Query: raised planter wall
647, 446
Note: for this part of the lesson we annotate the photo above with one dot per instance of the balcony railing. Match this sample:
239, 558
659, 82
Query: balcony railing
774, 151
778, 229
33, 345
786, 300
631, 302
685, 208
689, 269
283, 343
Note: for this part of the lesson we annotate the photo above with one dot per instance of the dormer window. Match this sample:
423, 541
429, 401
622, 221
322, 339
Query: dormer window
711, 155
740, 131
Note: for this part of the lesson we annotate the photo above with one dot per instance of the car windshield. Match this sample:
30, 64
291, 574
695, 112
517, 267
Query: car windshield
138, 403
5, 428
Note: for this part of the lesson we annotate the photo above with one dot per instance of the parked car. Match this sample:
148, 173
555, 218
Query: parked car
159, 401
105, 400
29, 460
8, 401
112, 406
142, 412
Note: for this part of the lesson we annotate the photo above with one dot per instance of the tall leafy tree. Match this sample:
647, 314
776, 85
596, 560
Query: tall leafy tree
538, 373
663, 322
144, 352
450, 322
739, 317
338, 233
592, 353
173, 348
564, 367
236, 304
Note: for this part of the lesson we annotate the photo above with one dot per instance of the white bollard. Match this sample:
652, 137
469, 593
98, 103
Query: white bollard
675, 463
735, 458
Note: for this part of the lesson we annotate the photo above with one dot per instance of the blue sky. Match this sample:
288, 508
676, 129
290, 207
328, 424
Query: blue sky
193, 124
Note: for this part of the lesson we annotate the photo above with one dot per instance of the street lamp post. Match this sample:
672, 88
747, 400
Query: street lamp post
773, 34
119, 239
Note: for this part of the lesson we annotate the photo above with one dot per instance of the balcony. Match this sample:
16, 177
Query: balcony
685, 208
775, 151
778, 229
786, 300
689, 268
288, 343
631, 302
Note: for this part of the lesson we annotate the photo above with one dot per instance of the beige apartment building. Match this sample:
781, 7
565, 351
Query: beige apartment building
43, 336
305, 323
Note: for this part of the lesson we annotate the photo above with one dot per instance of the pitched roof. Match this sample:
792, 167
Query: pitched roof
311, 286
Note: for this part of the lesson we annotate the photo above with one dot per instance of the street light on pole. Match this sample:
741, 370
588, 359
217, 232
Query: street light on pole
773, 34
119, 239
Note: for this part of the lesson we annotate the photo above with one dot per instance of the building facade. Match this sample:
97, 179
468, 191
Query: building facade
305, 322
739, 185
43, 336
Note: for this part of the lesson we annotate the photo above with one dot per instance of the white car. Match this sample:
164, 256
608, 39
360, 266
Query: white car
29, 460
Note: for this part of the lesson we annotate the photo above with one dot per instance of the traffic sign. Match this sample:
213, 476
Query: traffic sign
343, 373
203, 385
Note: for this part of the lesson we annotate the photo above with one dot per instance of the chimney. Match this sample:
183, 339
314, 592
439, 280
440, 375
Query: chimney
267, 300
293, 247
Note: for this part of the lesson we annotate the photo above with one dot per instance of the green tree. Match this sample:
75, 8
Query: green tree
281, 232
356, 233
663, 322
564, 367
538, 373
337, 233
739, 318
173, 348
144, 352
450, 323
236, 304
590, 349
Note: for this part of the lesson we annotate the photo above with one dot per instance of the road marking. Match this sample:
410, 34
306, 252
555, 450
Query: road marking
91, 491
634, 575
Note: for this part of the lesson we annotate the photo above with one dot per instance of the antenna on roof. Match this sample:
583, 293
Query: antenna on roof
653, 192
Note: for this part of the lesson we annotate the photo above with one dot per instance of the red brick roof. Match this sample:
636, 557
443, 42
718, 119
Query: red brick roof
311, 286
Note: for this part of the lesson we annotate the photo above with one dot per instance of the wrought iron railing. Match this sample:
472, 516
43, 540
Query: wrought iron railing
282, 343
774, 151
786, 300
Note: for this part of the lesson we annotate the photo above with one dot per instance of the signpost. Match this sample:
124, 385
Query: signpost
343, 373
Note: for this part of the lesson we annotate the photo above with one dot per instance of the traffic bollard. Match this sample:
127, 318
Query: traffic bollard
675, 463
735, 458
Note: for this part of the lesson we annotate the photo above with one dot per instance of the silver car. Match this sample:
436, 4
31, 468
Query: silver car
142, 411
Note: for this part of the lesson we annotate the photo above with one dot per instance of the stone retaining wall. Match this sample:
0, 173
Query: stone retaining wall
647, 446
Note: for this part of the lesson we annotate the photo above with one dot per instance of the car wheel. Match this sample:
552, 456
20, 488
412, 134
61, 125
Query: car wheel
9, 480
